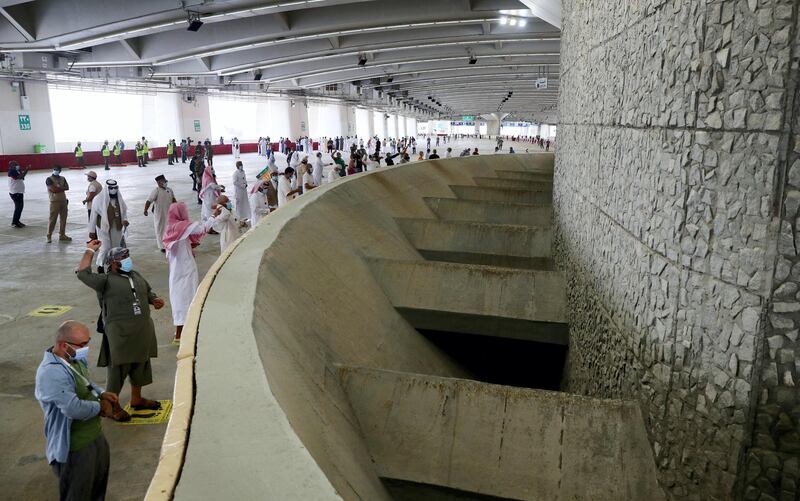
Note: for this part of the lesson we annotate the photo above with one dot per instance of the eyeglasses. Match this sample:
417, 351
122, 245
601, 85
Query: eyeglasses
79, 345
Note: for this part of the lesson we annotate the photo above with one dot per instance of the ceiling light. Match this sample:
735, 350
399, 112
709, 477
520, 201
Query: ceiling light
503, 20
522, 23
512, 21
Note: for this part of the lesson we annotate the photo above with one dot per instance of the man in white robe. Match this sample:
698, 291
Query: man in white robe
160, 198
209, 192
240, 202
226, 223
180, 238
258, 201
285, 190
108, 220
319, 169
235, 147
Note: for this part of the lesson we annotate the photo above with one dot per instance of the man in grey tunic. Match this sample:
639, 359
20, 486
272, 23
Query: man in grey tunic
129, 341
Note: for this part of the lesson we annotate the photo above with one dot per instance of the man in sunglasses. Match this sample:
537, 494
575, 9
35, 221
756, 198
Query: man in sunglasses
72, 404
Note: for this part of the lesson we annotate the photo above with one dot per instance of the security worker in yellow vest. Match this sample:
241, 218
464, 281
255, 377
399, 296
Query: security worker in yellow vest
145, 151
79, 155
118, 152
139, 153
170, 151
106, 152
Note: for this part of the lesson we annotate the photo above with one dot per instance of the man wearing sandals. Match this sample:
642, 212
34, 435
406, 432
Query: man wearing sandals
130, 336
72, 404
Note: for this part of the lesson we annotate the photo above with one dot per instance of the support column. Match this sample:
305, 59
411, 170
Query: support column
21, 129
195, 118
348, 120
298, 119
370, 123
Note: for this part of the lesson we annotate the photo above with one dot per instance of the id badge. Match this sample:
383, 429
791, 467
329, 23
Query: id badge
137, 309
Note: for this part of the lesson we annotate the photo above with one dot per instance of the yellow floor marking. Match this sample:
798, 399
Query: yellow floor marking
49, 310
147, 416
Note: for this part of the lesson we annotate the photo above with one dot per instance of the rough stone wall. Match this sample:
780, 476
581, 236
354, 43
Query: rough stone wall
672, 161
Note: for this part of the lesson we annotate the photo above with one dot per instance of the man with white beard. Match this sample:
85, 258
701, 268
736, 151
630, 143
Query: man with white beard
240, 201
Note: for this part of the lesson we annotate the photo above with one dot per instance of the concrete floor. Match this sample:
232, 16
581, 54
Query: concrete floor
36, 273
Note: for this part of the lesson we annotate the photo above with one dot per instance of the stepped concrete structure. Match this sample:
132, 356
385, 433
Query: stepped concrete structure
308, 370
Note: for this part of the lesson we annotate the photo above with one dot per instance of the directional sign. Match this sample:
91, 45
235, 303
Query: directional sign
197, 125
541, 83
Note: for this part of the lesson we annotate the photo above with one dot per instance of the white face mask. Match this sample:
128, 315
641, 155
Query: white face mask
56, 173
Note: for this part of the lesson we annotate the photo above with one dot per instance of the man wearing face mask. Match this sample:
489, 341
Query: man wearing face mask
108, 219
129, 341
57, 186
72, 404
258, 201
162, 197
226, 223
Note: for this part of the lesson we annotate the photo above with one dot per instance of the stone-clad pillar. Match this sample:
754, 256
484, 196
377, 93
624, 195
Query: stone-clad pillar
677, 187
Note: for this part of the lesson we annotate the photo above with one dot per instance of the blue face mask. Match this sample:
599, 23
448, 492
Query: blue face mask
81, 355
229, 206
126, 264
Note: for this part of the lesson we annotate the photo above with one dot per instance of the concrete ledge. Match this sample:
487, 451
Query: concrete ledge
454, 209
517, 184
485, 325
502, 441
525, 175
537, 296
477, 238
488, 194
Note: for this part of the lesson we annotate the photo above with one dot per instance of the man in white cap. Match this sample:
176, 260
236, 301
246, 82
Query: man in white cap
161, 197
108, 219
92, 190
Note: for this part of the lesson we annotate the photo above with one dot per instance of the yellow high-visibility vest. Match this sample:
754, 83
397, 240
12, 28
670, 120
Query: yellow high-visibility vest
105, 151
116, 149
169, 149
78, 151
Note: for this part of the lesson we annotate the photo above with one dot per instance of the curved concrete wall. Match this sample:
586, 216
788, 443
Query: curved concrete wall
295, 310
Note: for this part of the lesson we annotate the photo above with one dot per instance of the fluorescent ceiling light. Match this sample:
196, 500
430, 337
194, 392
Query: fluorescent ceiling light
503, 20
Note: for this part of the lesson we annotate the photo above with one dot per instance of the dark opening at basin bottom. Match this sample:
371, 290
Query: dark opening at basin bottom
402, 490
500, 360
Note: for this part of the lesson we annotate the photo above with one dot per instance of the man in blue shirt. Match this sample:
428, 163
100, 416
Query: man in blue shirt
72, 405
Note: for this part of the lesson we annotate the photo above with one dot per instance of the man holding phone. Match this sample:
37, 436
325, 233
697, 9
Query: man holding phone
16, 189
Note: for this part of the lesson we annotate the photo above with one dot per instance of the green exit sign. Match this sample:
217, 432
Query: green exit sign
197, 125
24, 122
466, 118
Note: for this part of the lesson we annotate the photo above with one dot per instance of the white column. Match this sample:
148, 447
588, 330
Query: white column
195, 119
298, 119
15, 136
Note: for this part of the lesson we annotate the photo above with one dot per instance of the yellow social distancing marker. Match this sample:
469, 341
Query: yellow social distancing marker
49, 310
148, 416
